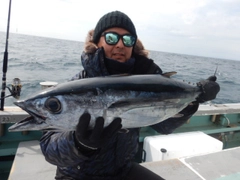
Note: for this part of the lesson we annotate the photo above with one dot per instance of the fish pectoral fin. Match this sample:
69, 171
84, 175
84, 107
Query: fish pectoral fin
132, 103
119, 104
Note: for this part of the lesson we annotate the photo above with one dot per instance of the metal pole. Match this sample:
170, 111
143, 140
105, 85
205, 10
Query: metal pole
5, 61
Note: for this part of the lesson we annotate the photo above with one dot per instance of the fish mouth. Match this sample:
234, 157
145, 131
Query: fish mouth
33, 116
32, 122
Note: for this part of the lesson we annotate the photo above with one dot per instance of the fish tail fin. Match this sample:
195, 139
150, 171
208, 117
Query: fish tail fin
216, 71
214, 77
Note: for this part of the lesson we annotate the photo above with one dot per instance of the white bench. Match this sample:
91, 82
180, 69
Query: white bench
222, 165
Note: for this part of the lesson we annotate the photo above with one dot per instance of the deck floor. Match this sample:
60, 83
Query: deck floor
172, 169
29, 164
223, 165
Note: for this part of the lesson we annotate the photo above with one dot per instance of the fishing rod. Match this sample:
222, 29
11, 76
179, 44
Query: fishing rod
16, 85
5, 60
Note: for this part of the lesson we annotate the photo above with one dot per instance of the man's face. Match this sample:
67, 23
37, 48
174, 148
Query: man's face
117, 52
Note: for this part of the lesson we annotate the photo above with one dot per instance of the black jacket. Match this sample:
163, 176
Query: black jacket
114, 159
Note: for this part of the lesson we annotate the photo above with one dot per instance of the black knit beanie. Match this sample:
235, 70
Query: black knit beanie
113, 19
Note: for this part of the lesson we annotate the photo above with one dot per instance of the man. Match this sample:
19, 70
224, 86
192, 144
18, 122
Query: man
107, 153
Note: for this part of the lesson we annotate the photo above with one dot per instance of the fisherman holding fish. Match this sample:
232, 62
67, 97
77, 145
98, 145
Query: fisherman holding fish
107, 153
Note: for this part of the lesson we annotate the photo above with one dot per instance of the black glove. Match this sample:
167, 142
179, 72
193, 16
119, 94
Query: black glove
210, 88
95, 138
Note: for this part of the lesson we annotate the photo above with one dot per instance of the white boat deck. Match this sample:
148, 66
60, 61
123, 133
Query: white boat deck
29, 163
223, 165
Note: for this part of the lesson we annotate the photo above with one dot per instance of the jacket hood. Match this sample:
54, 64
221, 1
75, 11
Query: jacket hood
91, 47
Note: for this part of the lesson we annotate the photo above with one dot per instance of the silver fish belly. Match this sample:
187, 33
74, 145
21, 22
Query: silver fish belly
139, 100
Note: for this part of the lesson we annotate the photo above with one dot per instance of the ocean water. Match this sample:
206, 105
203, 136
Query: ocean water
36, 59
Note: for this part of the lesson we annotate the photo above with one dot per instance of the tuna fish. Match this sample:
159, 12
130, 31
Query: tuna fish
139, 100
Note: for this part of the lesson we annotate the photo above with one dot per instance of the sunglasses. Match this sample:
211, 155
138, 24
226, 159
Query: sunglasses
112, 38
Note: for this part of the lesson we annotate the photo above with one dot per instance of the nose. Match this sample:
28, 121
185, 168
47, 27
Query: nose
120, 43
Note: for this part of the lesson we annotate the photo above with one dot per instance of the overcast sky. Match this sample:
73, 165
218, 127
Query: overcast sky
208, 28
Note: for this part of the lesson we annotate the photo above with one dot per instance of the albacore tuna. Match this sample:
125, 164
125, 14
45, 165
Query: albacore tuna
139, 100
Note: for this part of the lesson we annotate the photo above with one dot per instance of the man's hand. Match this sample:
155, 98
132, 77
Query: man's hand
210, 89
95, 138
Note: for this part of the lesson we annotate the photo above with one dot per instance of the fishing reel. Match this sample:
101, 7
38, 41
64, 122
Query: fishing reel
15, 89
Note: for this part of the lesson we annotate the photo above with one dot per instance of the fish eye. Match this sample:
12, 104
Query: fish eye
53, 105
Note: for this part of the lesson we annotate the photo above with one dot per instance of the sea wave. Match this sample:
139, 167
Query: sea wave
36, 59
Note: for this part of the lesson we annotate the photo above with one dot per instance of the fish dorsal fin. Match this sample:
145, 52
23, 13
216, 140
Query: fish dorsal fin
169, 74
166, 74
119, 75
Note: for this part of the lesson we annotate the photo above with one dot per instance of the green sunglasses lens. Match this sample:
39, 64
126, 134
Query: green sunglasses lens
111, 38
128, 40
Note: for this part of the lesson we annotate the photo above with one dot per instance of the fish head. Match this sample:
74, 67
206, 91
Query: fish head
46, 113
